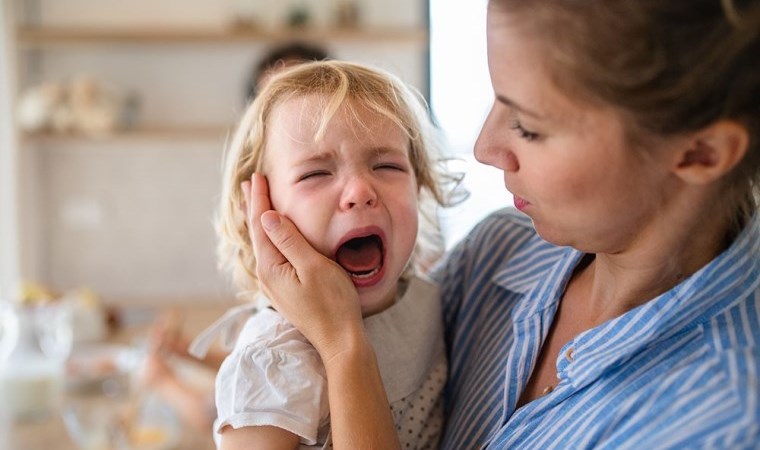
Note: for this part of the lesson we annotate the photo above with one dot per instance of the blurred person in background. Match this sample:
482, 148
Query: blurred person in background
278, 58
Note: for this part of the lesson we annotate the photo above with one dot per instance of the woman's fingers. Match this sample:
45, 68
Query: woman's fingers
256, 193
281, 245
290, 243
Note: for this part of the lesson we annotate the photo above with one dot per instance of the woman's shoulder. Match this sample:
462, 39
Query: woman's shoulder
503, 241
719, 384
503, 233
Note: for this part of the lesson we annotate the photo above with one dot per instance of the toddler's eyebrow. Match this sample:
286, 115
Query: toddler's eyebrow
324, 156
381, 151
316, 157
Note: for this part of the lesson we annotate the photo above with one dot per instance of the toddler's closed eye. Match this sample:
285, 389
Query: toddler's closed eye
313, 174
390, 166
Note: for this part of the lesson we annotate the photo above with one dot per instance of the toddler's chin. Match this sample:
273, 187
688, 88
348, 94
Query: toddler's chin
373, 304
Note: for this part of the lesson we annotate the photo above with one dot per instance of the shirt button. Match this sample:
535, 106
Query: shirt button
570, 354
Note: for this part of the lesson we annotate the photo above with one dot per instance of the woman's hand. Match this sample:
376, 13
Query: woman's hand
317, 296
310, 290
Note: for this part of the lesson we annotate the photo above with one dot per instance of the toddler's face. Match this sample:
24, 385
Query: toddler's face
352, 194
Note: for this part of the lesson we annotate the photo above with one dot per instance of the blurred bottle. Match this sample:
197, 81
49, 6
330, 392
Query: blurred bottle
35, 341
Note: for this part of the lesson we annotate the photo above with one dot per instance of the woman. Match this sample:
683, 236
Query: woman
620, 310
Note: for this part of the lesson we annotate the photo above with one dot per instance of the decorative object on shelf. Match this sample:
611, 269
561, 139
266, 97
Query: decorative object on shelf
94, 110
245, 14
82, 105
130, 110
37, 106
299, 16
347, 14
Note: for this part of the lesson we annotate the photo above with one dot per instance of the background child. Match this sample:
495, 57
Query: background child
282, 57
349, 153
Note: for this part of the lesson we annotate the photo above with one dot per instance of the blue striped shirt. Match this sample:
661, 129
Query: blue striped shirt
680, 371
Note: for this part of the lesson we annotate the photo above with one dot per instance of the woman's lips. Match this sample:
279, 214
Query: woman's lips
521, 203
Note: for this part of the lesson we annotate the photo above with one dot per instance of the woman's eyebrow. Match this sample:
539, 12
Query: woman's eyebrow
512, 104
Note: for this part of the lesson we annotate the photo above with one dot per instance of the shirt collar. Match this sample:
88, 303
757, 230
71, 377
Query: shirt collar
540, 271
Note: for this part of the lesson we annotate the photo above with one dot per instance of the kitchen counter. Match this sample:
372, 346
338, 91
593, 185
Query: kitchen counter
51, 433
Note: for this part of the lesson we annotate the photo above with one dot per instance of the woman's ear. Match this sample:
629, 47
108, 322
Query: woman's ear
712, 152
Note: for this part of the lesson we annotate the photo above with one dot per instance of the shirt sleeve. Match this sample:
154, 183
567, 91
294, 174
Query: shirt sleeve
273, 377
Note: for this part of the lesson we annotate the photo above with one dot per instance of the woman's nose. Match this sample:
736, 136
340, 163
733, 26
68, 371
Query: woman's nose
501, 158
493, 148
358, 192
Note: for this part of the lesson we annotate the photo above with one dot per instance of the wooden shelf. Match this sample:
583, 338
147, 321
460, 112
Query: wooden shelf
155, 133
44, 37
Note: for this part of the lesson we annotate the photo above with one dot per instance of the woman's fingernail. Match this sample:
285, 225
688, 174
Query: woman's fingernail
270, 220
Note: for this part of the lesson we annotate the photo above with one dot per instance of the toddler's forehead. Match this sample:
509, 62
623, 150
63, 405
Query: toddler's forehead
315, 112
305, 109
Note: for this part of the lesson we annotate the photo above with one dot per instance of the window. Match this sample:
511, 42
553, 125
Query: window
460, 97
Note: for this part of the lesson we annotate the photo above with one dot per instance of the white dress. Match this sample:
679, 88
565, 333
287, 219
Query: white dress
275, 377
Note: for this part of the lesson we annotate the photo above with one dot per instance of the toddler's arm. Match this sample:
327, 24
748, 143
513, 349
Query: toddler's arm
272, 438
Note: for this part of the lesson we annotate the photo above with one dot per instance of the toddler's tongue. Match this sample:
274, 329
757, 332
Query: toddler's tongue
360, 255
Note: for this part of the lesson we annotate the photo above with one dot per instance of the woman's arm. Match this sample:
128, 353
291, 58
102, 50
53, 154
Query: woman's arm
318, 298
270, 438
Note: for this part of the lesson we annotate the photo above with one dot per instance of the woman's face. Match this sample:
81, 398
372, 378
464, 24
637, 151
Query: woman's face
566, 162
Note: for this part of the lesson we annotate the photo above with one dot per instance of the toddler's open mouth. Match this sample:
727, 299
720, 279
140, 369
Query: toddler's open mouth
363, 258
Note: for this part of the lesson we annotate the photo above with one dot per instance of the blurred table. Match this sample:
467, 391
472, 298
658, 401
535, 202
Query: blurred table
50, 433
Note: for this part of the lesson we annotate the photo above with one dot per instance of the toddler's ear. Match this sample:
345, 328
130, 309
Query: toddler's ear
712, 152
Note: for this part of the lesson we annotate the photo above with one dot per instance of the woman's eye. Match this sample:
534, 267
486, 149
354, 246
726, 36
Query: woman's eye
313, 174
522, 132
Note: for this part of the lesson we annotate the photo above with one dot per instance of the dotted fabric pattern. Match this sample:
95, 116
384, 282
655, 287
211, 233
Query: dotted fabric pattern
418, 416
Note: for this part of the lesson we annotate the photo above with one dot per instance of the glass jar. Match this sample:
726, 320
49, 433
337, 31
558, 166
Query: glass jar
34, 344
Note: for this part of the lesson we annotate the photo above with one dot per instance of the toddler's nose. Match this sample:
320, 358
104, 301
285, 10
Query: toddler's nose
357, 193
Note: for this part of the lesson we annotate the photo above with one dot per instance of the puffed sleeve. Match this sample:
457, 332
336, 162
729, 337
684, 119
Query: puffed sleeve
272, 377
